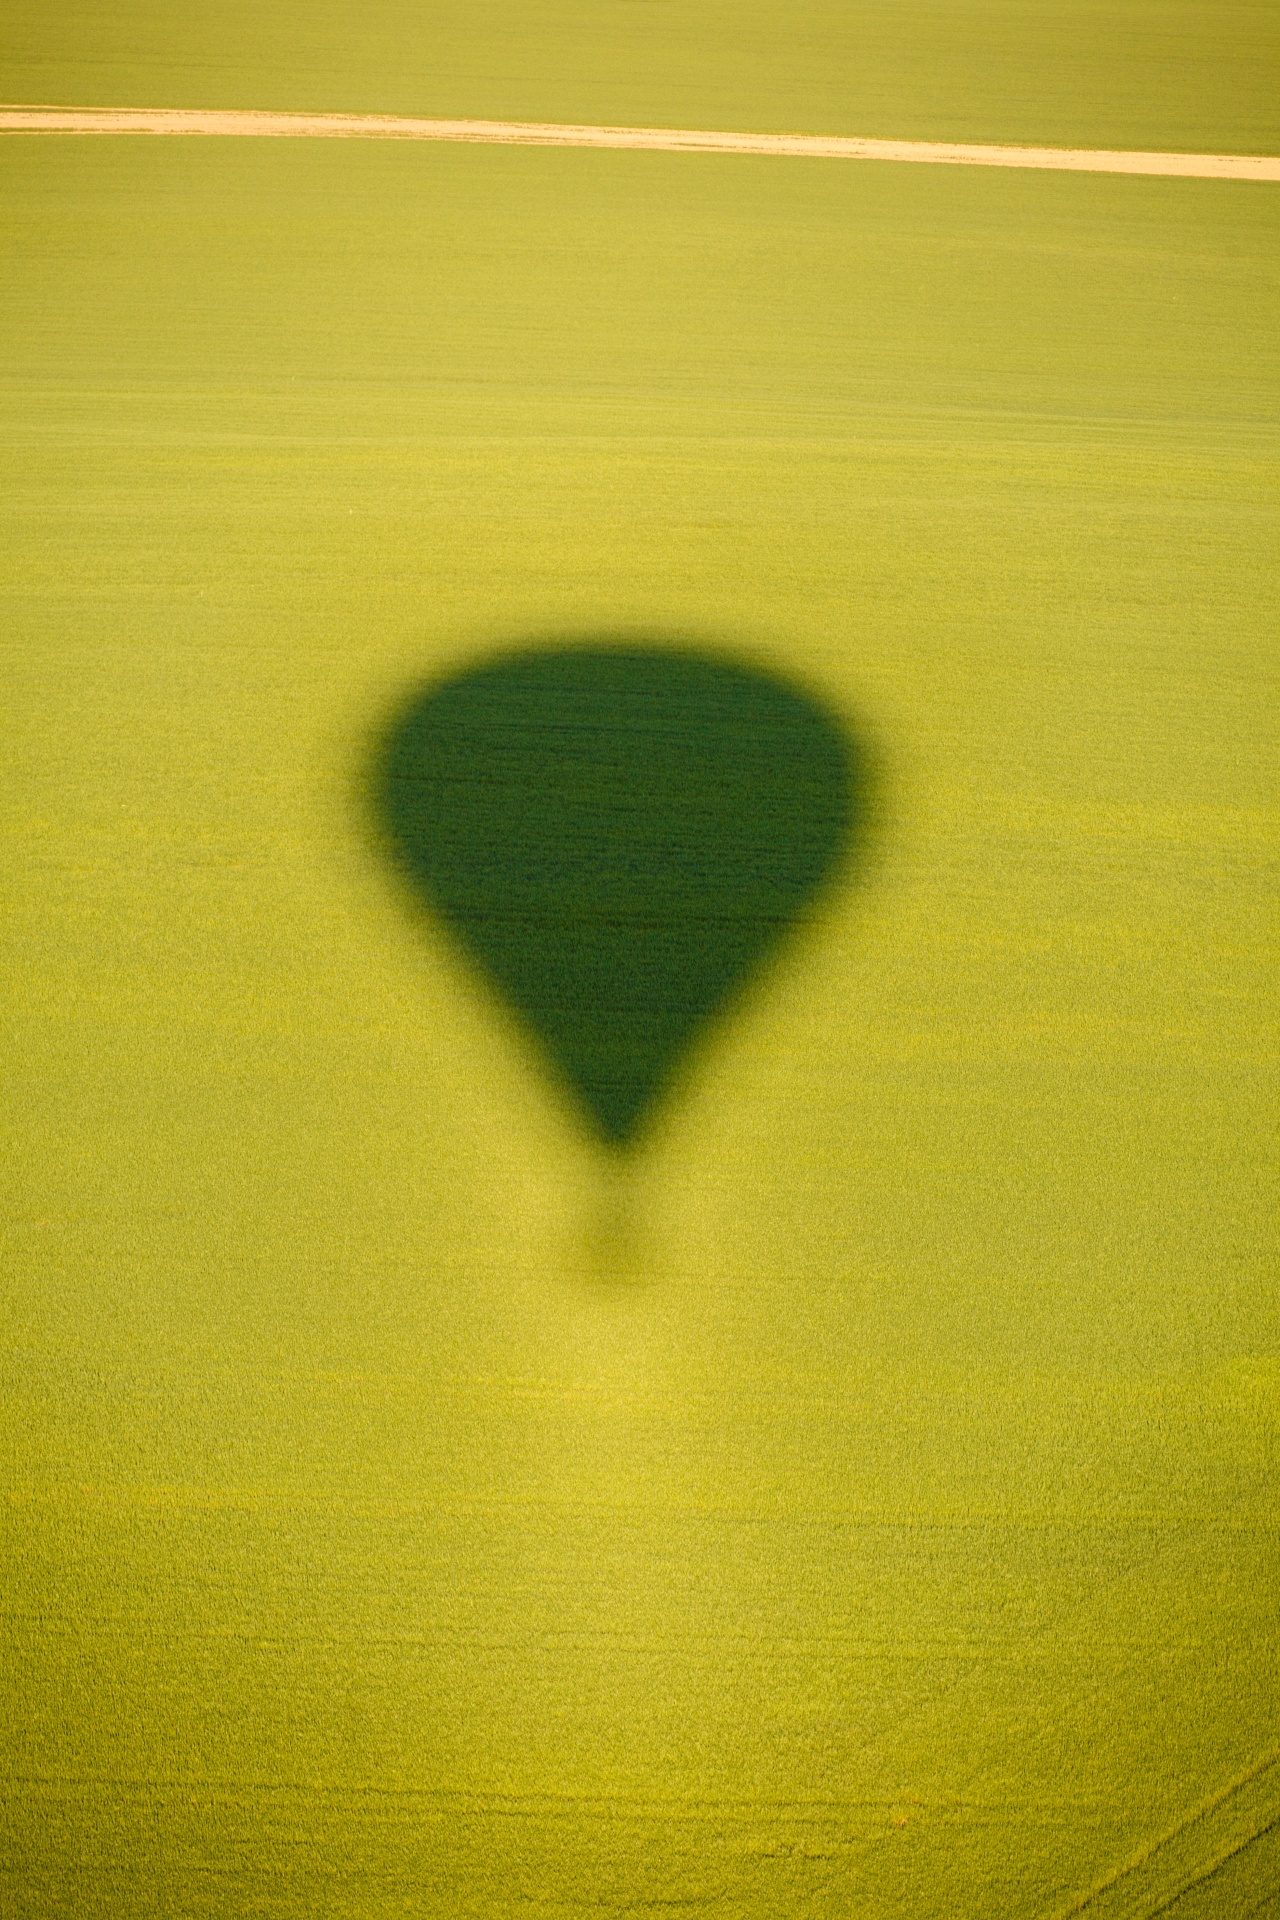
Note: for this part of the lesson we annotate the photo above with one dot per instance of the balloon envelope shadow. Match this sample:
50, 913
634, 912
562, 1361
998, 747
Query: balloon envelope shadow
619, 835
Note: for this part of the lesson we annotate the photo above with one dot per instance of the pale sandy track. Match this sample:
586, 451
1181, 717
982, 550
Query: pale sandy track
372, 126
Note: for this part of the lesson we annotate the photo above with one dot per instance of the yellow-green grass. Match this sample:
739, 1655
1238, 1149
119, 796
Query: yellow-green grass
1201, 74
898, 1539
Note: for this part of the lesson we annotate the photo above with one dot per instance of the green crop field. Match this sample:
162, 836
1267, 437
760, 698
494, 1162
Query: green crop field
889, 1530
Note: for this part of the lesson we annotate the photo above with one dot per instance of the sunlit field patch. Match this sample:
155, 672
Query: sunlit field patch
899, 1539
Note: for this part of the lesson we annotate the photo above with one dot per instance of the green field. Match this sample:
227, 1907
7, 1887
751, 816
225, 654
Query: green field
896, 1537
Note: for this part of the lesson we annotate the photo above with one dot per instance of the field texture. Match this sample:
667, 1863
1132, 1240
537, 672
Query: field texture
893, 1533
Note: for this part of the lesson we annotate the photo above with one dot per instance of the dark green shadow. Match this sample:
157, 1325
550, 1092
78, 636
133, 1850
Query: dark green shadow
619, 835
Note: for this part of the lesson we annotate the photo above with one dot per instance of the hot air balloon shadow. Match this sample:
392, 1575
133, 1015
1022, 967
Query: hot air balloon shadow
619, 836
